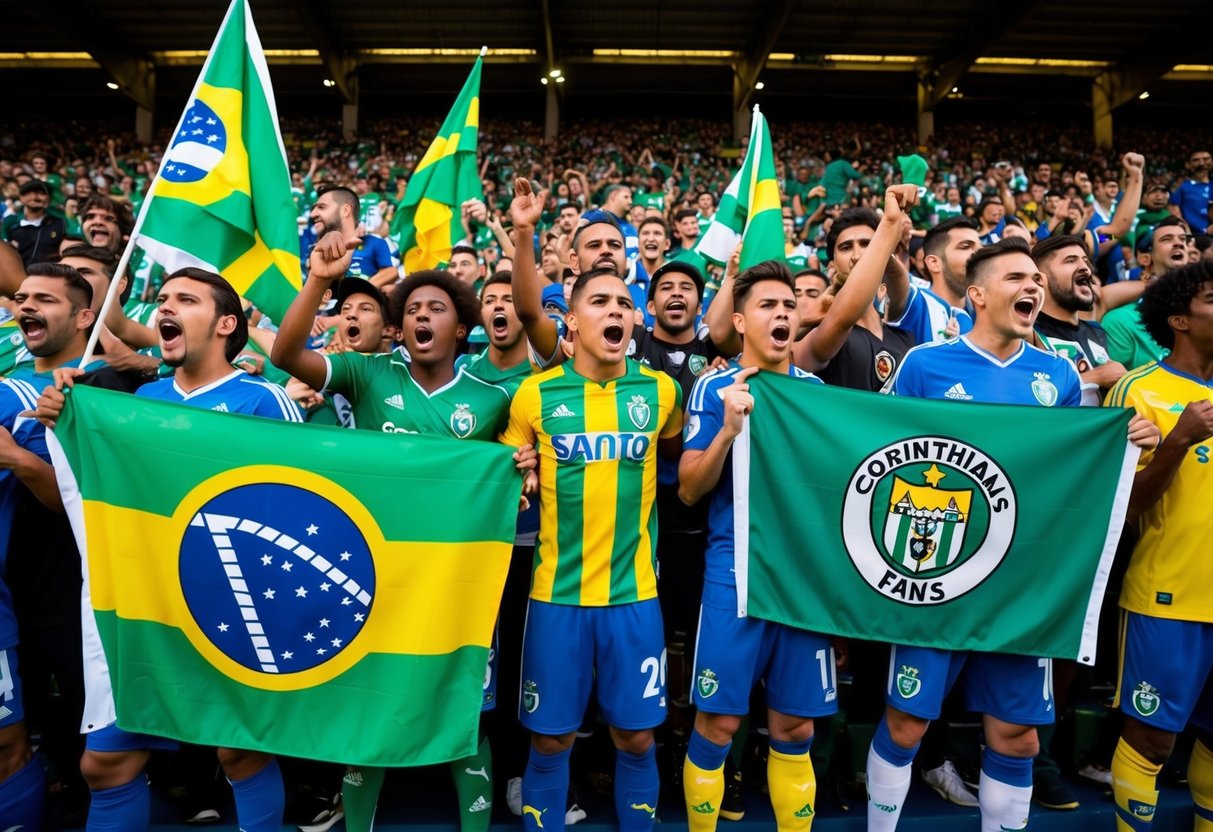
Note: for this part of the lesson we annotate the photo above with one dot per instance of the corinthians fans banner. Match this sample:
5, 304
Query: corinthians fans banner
941, 524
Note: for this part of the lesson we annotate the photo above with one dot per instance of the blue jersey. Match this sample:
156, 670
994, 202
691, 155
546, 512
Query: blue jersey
1192, 197
994, 234
705, 419
926, 315
15, 396
374, 254
962, 371
237, 392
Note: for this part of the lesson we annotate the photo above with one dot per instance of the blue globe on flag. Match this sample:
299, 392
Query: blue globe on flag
198, 146
277, 577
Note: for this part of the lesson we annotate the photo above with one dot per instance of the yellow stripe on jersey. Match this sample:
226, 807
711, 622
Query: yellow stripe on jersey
1170, 572
601, 499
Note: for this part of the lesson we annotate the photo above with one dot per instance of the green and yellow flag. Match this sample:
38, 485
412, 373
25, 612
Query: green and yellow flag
763, 236
222, 199
302, 590
428, 222
749, 210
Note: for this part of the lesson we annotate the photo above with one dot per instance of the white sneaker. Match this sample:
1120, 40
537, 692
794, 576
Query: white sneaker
947, 782
574, 814
513, 795
1100, 775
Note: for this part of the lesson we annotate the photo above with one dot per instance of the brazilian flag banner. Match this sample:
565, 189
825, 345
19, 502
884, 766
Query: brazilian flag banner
301, 590
222, 198
952, 525
429, 220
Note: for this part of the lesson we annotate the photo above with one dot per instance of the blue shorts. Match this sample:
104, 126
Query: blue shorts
567, 649
113, 738
1014, 689
733, 654
1165, 678
12, 707
490, 678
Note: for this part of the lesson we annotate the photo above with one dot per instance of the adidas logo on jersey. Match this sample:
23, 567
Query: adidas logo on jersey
480, 804
396, 401
957, 391
562, 410
221, 407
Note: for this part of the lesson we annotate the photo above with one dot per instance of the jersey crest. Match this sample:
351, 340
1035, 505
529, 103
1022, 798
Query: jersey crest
1044, 390
639, 412
463, 421
1146, 699
908, 683
697, 363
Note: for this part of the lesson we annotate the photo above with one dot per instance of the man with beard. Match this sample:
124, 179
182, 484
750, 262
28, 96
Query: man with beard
1128, 341
337, 210
946, 249
1069, 281
1191, 199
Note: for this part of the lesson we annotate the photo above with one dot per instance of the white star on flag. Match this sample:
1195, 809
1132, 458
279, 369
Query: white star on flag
212, 138
336, 642
309, 637
269, 593
287, 654
312, 529
222, 627
324, 587
300, 593
197, 131
286, 566
359, 616
346, 556
266, 560
324, 622
345, 602
320, 651
211, 121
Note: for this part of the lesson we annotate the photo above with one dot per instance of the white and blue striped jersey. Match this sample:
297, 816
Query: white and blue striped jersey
926, 316
237, 392
16, 396
961, 371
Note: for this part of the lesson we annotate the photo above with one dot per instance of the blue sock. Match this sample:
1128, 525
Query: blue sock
1014, 771
260, 800
23, 796
545, 789
706, 754
636, 788
792, 749
122, 809
889, 751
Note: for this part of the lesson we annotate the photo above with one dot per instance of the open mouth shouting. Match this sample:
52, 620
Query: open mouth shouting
676, 308
33, 327
424, 336
171, 334
781, 335
1025, 309
499, 326
613, 336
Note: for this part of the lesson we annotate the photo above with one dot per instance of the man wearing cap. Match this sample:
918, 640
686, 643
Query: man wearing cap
35, 233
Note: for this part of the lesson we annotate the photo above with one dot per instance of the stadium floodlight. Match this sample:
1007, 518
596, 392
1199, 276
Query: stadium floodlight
1145, 94
544, 80
329, 82
555, 73
759, 85
560, 79
111, 85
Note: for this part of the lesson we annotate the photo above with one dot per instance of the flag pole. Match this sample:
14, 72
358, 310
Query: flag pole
125, 260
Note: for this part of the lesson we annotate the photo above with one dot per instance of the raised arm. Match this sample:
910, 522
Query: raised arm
527, 282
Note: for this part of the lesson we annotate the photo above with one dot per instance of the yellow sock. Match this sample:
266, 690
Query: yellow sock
1134, 787
1200, 781
793, 787
704, 790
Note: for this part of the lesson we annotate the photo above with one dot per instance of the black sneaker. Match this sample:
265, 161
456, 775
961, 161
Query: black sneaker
1050, 791
733, 805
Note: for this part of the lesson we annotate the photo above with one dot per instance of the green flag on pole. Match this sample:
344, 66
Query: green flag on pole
338, 611
952, 525
222, 199
429, 221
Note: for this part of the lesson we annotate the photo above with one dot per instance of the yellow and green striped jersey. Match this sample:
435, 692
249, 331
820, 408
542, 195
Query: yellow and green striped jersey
1170, 573
597, 448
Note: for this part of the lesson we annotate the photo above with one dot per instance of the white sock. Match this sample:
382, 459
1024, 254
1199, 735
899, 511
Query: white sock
1003, 806
888, 786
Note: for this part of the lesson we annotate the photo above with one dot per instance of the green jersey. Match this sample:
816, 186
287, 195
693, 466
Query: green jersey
653, 200
12, 347
946, 210
508, 379
385, 397
368, 207
1143, 221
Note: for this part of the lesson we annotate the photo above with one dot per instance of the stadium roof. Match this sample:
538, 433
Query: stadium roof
638, 55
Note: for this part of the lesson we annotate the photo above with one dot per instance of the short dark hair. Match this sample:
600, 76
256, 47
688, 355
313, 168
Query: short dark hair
654, 221
584, 278
463, 298
495, 279
79, 290
107, 258
227, 302
682, 213
1049, 246
1166, 222
569, 206
850, 218
121, 210
343, 196
1172, 294
462, 249
811, 273
1011, 245
759, 273
937, 237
